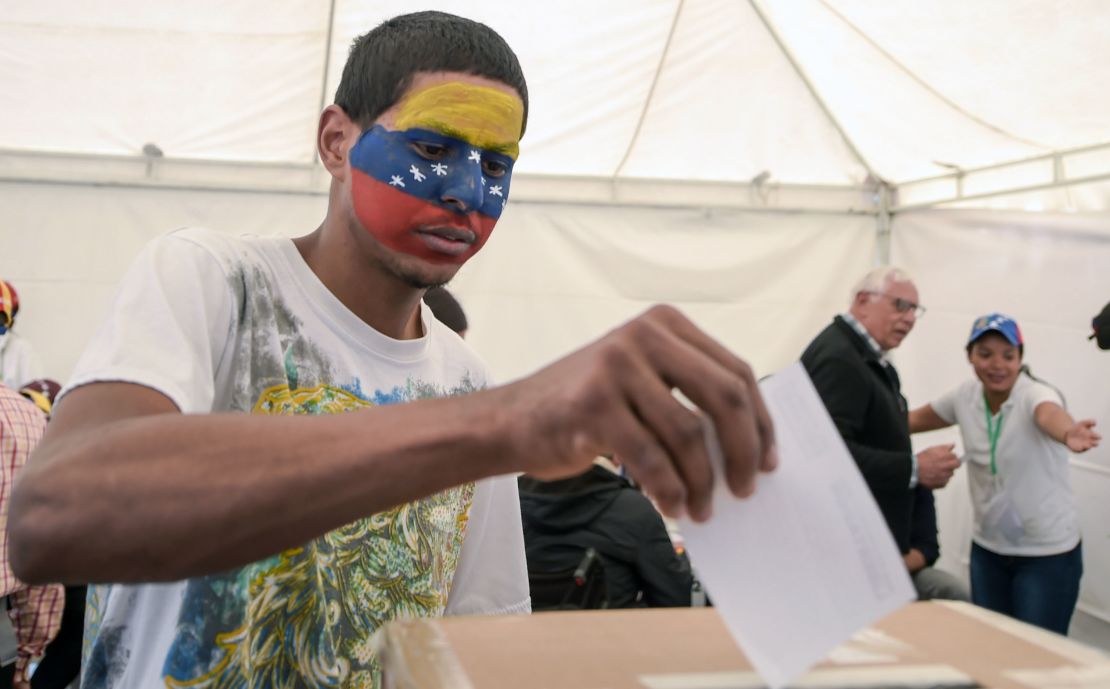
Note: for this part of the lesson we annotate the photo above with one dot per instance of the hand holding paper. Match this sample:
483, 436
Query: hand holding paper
807, 561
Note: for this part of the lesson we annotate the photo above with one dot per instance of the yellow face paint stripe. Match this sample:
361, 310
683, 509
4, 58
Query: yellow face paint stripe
482, 116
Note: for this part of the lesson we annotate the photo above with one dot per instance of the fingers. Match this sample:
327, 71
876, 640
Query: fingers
939, 450
723, 387
681, 434
698, 339
638, 449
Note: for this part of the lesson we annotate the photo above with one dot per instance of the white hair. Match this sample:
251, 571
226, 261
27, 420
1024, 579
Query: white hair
878, 279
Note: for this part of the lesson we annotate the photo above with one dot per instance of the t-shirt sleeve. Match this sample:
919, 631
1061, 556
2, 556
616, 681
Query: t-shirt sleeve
166, 327
945, 406
1038, 393
492, 575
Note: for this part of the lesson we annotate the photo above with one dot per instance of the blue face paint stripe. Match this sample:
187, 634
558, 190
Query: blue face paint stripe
392, 157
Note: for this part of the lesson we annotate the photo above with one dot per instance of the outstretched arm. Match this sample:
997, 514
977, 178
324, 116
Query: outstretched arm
925, 418
1056, 423
126, 488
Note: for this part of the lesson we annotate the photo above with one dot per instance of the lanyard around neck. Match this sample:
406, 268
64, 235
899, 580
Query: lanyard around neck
992, 432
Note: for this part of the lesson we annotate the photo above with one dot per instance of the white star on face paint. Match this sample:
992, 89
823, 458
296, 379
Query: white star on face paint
440, 169
396, 181
416, 173
495, 190
475, 156
483, 181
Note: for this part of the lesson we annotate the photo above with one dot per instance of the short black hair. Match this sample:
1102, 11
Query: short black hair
382, 62
971, 345
446, 308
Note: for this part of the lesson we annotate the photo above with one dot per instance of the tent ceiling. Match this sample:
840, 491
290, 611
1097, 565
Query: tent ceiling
813, 92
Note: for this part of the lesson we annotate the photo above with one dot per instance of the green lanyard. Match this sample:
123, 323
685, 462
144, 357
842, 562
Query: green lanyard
992, 432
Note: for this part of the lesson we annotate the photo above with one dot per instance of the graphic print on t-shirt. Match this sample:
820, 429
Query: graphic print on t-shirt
304, 617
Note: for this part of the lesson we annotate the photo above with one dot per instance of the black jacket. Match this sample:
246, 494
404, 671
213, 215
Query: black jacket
865, 401
602, 510
923, 531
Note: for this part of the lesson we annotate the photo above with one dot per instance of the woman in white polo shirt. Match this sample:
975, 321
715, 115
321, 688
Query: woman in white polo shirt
1026, 558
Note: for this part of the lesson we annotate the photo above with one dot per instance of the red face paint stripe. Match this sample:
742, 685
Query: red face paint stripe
395, 219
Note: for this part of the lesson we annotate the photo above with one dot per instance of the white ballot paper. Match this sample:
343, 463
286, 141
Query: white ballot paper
807, 561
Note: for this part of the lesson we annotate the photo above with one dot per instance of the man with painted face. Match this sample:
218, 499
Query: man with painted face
862, 392
18, 363
278, 432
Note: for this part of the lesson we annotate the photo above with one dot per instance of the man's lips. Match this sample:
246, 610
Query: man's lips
446, 239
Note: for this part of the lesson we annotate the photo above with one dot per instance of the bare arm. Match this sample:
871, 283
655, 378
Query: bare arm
1055, 422
924, 418
125, 488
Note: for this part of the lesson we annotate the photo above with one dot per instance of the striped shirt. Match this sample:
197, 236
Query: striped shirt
36, 611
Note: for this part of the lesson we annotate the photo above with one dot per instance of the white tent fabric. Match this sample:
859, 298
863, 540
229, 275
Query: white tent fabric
746, 161
679, 89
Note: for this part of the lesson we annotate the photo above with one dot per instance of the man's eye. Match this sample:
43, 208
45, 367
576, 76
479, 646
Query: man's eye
901, 305
494, 168
429, 151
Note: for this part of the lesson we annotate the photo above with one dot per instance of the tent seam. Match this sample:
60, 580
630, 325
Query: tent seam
930, 89
651, 91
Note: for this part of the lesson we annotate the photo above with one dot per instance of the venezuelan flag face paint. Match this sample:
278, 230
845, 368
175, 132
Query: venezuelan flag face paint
432, 179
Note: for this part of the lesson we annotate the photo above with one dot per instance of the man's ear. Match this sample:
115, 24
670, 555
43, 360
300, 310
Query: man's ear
334, 139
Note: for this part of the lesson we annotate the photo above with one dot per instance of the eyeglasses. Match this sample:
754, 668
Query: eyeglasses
903, 305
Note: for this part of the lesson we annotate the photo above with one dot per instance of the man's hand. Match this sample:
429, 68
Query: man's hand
615, 396
935, 465
915, 561
20, 680
1082, 436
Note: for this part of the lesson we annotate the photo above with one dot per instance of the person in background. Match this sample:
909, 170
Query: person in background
34, 612
1026, 555
18, 363
860, 388
446, 309
602, 510
931, 583
61, 661
1100, 328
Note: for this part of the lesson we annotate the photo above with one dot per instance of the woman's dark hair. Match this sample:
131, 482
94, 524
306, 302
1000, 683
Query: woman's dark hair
381, 63
971, 345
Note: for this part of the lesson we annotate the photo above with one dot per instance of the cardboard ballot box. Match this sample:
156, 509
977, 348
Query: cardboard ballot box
935, 645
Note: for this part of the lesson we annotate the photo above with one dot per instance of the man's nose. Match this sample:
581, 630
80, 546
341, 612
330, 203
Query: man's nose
464, 191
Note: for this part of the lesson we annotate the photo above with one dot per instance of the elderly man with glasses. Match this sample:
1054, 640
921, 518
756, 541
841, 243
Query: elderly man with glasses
860, 388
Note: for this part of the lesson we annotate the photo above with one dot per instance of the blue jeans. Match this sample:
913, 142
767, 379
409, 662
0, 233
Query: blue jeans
1040, 590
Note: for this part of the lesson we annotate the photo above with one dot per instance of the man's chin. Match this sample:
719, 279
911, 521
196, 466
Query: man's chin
423, 275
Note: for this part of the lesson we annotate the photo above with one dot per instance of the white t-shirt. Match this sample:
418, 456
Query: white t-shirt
18, 363
220, 323
1028, 508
